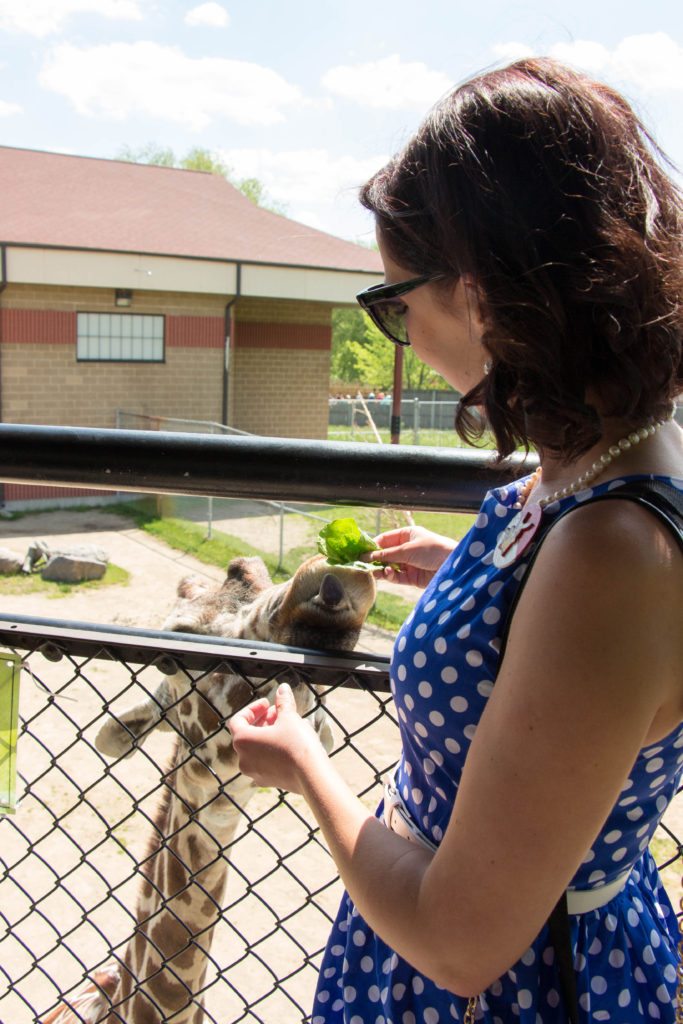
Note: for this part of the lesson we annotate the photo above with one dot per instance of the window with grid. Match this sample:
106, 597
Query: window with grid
120, 337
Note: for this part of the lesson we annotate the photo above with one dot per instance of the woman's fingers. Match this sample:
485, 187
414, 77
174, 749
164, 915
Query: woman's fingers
394, 537
252, 715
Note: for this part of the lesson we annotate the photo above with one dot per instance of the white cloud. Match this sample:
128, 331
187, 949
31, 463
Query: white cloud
44, 17
512, 51
121, 80
318, 187
7, 109
651, 61
211, 14
389, 83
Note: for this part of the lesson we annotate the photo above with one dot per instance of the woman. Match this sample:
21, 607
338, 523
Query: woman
538, 246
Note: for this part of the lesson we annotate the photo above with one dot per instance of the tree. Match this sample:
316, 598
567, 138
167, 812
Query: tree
362, 354
199, 159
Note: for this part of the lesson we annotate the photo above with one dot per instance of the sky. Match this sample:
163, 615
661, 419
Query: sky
309, 96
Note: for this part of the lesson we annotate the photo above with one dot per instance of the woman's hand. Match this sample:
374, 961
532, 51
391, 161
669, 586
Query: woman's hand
273, 743
418, 552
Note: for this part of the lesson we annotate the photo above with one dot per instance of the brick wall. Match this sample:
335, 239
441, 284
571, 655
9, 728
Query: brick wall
278, 392
279, 377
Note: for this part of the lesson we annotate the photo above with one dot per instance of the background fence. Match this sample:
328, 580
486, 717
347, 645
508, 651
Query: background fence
427, 421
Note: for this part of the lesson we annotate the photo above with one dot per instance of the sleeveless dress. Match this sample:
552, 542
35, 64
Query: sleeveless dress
443, 668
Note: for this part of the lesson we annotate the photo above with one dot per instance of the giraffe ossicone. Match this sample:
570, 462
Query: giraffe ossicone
159, 975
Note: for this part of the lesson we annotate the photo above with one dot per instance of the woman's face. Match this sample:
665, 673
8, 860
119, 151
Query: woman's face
445, 330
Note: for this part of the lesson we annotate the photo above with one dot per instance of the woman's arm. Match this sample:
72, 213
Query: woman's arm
590, 675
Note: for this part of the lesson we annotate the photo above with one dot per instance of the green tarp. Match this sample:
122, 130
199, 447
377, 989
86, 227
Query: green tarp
10, 666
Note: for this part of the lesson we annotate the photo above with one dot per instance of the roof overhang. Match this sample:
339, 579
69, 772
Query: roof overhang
83, 268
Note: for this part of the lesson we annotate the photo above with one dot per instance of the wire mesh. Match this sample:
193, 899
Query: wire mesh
76, 857
80, 860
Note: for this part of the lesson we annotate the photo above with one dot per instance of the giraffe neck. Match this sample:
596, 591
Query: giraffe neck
183, 881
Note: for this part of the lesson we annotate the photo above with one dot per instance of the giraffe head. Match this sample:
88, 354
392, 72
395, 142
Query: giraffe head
320, 607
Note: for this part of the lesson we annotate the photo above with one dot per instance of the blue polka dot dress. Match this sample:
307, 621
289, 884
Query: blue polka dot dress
443, 670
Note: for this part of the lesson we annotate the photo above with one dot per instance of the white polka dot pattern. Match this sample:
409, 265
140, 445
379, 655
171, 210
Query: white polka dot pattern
443, 672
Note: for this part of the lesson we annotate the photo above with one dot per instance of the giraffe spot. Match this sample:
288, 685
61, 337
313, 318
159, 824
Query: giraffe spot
139, 947
208, 909
170, 936
194, 851
140, 1009
187, 958
240, 693
209, 719
146, 889
193, 734
176, 874
224, 753
172, 995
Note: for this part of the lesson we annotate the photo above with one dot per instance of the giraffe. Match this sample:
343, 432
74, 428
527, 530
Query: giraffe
159, 975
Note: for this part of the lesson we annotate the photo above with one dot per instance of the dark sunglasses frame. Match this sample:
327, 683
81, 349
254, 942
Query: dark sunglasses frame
387, 293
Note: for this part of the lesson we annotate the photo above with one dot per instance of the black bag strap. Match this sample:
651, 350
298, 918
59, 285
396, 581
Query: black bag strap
666, 502
662, 499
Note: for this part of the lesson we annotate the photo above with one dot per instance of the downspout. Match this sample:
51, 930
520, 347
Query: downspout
230, 342
3, 285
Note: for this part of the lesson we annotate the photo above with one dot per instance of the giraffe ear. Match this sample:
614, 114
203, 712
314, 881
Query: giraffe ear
122, 734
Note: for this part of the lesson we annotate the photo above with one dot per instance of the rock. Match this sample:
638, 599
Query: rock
65, 567
38, 551
88, 552
9, 562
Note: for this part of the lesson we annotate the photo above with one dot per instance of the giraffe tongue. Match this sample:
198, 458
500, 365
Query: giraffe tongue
331, 591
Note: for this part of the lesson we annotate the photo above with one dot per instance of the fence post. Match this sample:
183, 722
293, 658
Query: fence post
209, 524
416, 421
280, 556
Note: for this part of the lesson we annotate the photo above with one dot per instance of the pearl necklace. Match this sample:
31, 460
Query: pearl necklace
518, 534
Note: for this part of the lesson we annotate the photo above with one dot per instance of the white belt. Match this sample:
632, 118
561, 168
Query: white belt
579, 901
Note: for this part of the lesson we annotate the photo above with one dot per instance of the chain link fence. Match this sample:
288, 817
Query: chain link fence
424, 421
76, 856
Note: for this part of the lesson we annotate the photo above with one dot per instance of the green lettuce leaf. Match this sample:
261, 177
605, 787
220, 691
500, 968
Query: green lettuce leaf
342, 542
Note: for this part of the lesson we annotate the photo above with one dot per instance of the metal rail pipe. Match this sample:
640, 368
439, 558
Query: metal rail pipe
54, 639
444, 479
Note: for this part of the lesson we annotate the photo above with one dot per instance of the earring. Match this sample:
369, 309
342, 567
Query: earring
488, 366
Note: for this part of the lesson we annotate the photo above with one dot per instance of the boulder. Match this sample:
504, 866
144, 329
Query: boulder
9, 562
67, 567
38, 551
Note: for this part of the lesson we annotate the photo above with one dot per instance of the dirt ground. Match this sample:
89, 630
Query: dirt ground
80, 827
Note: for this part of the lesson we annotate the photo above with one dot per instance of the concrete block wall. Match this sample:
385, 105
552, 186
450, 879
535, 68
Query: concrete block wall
279, 374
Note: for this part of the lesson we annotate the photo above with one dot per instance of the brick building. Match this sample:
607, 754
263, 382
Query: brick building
162, 292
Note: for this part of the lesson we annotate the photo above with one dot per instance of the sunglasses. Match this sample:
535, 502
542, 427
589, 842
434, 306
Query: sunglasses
383, 304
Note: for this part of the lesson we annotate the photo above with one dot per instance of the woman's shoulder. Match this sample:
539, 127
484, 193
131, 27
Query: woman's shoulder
613, 537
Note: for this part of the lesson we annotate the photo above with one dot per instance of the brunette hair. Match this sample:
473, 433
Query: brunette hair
545, 187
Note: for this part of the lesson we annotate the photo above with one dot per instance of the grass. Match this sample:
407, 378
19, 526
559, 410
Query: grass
388, 613
34, 583
450, 524
427, 437
184, 535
